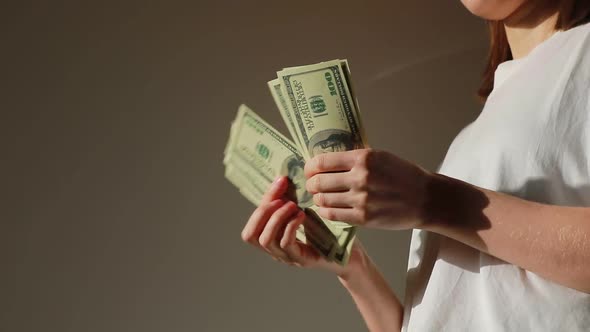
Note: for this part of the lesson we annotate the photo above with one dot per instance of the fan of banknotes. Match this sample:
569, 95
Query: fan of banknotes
321, 112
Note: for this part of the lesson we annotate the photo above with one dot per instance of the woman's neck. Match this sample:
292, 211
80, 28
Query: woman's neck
529, 26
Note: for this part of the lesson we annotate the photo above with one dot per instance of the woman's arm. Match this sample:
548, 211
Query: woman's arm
375, 300
379, 190
552, 241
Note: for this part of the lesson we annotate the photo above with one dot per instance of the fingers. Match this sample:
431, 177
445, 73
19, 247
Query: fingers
278, 234
276, 190
290, 234
331, 162
258, 220
349, 215
273, 231
301, 255
329, 182
338, 200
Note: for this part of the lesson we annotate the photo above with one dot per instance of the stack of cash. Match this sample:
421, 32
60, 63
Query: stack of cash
318, 106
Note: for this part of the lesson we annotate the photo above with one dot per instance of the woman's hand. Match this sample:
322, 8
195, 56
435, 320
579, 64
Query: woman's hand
272, 228
368, 187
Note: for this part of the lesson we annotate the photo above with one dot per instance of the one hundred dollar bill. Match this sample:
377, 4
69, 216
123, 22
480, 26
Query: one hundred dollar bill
321, 104
261, 152
255, 155
277, 94
323, 109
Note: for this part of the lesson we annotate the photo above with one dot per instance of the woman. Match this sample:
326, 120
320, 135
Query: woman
501, 237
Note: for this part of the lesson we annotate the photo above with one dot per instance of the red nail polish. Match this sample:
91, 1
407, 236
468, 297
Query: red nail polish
278, 181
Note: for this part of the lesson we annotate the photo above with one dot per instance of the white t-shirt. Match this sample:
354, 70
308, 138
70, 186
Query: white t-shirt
532, 140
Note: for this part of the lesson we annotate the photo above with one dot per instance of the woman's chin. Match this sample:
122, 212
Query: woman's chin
493, 10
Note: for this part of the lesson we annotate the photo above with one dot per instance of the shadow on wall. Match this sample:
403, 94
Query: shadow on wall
414, 64
420, 126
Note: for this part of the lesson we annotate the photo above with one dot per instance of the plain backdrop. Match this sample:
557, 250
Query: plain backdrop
115, 213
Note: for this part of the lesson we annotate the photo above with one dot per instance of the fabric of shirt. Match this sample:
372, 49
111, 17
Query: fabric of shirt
531, 140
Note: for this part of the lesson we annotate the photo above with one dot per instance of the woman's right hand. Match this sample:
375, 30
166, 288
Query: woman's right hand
272, 228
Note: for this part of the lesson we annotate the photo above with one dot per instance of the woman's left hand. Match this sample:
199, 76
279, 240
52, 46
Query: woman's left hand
368, 187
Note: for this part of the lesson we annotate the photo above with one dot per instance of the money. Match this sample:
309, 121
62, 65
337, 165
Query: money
277, 94
321, 105
255, 155
321, 113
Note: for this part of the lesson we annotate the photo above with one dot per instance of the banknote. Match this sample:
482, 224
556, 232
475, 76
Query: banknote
323, 109
321, 112
321, 104
277, 94
255, 155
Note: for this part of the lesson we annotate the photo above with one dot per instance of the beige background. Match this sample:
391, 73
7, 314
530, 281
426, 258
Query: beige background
115, 212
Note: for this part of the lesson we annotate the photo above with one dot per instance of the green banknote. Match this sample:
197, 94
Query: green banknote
323, 109
277, 94
321, 112
255, 155
321, 105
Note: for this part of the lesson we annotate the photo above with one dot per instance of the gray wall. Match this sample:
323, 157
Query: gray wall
115, 212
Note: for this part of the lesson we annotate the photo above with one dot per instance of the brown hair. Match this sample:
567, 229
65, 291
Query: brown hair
571, 14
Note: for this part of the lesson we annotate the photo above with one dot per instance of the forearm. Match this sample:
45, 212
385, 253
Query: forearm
551, 241
377, 303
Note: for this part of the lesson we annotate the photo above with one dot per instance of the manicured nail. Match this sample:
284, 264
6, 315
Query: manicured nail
278, 181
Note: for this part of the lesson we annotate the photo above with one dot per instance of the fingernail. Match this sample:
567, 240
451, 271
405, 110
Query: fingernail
278, 181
